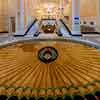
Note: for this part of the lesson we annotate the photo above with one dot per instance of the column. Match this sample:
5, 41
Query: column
98, 16
61, 8
25, 13
31, 10
21, 16
17, 29
76, 17
33, 7
10, 28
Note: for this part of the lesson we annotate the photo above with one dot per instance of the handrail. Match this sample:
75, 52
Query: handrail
30, 26
66, 27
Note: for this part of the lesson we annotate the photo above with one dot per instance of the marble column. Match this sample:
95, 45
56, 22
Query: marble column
76, 17
26, 11
21, 16
17, 28
10, 28
33, 7
31, 10
62, 7
98, 16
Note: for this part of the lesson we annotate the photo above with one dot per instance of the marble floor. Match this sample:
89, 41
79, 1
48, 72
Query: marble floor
92, 37
8, 38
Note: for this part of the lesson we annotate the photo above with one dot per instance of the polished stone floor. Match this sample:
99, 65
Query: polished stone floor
82, 69
6, 38
92, 37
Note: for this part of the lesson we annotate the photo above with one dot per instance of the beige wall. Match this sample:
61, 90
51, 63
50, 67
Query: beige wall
88, 7
12, 7
3, 7
3, 15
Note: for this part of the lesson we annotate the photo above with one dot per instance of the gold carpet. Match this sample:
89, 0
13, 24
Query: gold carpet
75, 71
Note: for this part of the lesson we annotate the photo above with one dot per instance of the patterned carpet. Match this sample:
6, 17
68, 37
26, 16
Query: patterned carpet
76, 70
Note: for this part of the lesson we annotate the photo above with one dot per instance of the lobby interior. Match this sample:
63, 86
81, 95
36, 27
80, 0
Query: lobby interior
16, 18
49, 49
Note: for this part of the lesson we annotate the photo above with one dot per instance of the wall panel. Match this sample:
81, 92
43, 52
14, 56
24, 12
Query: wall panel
4, 16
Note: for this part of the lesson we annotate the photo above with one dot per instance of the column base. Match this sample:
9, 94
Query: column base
76, 30
76, 33
19, 33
